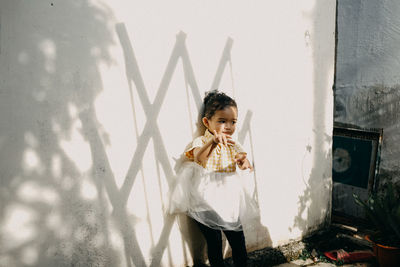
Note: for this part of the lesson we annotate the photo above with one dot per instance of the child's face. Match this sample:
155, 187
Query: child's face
223, 121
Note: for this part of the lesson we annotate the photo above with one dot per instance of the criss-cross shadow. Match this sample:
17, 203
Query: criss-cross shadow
51, 81
151, 129
105, 179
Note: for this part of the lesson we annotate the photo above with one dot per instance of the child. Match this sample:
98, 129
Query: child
208, 188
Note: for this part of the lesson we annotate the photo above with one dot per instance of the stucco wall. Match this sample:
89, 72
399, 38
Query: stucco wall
99, 98
367, 80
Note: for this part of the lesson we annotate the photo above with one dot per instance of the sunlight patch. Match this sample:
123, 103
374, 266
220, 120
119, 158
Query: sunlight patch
304, 214
30, 191
77, 149
56, 127
56, 167
31, 161
48, 48
88, 190
72, 110
18, 225
115, 239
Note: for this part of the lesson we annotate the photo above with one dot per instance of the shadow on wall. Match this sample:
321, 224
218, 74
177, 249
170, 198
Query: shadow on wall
151, 130
375, 107
312, 208
367, 89
52, 79
50, 76
190, 233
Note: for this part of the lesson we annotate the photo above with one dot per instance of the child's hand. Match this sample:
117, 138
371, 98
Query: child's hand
242, 162
222, 138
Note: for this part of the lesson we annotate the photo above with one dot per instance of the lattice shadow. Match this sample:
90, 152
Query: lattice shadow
151, 129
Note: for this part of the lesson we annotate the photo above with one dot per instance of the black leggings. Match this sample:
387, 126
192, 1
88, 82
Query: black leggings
214, 246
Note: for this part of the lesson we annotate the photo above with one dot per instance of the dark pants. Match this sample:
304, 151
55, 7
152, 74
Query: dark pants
214, 246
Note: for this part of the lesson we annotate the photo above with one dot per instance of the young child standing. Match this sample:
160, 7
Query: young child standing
208, 188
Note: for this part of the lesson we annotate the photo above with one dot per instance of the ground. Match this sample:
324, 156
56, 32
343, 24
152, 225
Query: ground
310, 250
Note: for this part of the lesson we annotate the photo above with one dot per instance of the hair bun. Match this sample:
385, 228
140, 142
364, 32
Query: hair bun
210, 94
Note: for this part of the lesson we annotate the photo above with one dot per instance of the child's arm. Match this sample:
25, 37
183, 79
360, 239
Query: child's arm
242, 161
201, 154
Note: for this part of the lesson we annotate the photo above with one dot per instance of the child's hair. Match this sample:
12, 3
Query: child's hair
214, 101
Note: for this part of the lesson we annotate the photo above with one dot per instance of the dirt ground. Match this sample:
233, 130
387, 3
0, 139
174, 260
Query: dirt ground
310, 250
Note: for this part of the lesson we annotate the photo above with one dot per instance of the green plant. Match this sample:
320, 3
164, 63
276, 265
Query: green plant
383, 210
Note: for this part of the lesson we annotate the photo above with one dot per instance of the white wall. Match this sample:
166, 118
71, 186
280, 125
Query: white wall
367, 80
98, 98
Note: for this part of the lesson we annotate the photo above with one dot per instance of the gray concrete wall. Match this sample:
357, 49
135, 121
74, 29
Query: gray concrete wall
367, 92
99, 98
